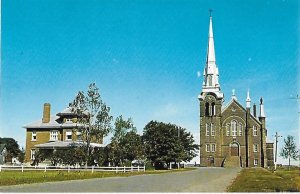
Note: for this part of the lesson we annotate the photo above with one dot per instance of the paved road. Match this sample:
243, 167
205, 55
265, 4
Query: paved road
199, 180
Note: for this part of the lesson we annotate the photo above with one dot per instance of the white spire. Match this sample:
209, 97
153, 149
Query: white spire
261, 109
248, 100
211, 71
211, 46
233, 95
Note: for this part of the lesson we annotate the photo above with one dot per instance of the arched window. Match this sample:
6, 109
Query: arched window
207, 109
212, 129
240, 129
207, 129
233, 128
227, 129
213, 109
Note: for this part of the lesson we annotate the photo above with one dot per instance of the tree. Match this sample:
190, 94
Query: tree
69, 156
12, 147
93, 116
21, 155
290, 149
117, 153
165, 143
101, 156
131, 145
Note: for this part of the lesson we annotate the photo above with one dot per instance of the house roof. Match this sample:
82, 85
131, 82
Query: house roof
64, 144
53, 124
2, 146
39, 124
66, 111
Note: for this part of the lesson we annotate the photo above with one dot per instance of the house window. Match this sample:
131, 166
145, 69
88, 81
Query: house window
233, 128
32, 154
213, 147
240, 129
79, 137
68, 135
254, 131
33, 136
53, 135
212, 129
255, 162
227, 129
207, 148
255, 147
207, 129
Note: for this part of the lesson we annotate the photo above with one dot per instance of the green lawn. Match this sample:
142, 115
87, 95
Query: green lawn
262, 180
17, 177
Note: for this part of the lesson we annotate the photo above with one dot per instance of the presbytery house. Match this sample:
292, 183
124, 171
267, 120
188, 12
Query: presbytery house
230, 135
53, 132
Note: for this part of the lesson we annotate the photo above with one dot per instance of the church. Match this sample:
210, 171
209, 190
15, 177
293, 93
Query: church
231, 135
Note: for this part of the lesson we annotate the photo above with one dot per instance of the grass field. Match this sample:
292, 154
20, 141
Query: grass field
262, 180
27, 177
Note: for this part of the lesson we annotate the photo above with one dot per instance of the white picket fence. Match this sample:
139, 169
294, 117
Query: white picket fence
116, 169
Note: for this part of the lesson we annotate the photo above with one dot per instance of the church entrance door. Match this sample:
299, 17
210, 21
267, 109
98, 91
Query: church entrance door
210, 161
234, 149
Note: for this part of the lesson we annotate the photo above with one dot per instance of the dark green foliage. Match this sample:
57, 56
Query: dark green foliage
100, 156
12, 147
21, 155
126, 145
165, 143
132, 146
70, 156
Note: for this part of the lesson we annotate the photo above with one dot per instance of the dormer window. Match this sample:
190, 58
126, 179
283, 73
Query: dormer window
68, 120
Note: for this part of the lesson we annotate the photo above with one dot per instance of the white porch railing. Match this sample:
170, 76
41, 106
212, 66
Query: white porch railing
116, 169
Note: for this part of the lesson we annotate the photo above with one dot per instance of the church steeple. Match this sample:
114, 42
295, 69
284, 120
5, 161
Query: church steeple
248, 100
211, 71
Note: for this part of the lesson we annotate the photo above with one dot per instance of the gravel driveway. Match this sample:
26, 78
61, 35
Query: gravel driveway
199, 180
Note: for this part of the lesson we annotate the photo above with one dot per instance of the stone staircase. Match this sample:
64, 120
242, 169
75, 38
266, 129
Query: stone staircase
232, 162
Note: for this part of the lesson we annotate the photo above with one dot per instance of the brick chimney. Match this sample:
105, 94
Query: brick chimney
46, 113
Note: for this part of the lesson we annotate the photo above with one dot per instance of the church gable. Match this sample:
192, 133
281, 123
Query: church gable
234, 108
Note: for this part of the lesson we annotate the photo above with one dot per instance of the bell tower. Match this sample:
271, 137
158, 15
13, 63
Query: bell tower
211, 99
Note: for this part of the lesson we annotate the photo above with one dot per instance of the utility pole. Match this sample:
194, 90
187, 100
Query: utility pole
276, 142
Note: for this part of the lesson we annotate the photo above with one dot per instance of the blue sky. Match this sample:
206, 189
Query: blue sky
144, 56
